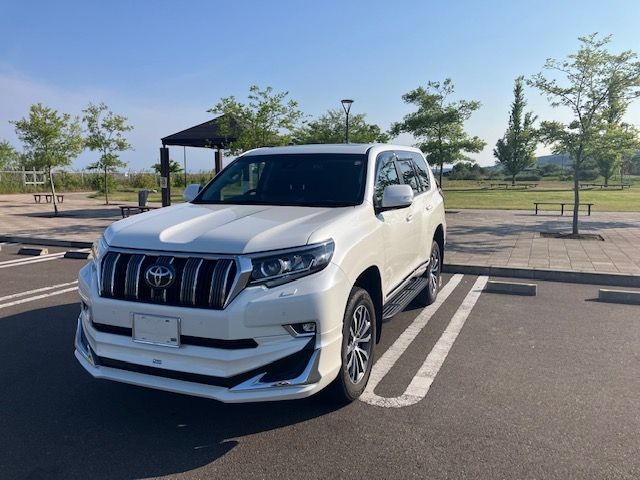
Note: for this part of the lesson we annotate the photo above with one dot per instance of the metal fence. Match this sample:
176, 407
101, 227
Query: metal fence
25, 181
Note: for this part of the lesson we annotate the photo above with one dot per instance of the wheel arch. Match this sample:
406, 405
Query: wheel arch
371, 281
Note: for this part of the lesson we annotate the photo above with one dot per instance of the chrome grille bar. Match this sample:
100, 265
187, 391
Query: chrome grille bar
108, 272
189, 282
218, 281
132, 279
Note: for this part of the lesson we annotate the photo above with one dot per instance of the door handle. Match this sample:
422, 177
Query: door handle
409, 217
429, 207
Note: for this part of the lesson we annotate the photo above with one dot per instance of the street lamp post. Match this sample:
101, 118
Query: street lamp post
346, 105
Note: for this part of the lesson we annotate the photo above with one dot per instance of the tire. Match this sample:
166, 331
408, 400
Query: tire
355, 363
430, 292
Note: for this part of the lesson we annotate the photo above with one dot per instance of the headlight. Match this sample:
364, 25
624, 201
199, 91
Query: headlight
276, 268
98, 249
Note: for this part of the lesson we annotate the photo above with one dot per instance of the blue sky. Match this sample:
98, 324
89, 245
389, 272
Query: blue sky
163, 64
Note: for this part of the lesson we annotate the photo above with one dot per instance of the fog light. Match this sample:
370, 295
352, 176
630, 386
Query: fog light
305, 329
309, 327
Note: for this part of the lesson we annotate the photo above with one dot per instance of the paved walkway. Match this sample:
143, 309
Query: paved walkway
475, 237
512, 238
80, 218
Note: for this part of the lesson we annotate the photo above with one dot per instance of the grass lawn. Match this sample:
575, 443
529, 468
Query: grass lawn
472, 194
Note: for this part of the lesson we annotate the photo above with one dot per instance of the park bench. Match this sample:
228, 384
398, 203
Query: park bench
127, 210
37, 197
602, 186
562, 204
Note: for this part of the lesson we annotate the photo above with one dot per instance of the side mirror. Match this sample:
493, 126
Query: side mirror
396, 196
191, 192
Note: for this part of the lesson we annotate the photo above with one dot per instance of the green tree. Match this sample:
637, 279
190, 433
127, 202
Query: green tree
50, 140
267, 119
329, 128
105, 134
438, 124
589, 76
515, 151
9, 157
174, 167
617, 140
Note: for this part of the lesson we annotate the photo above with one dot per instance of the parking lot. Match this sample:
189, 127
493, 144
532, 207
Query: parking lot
479, 385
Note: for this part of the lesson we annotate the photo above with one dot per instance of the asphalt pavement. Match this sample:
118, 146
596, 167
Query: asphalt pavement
481, 385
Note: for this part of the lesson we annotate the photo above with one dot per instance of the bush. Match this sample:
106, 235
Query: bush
143, 180
65, 181
589, 175
529, 177
97, 183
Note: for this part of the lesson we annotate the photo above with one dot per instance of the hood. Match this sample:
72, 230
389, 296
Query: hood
224, 229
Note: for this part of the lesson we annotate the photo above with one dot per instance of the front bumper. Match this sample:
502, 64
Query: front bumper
279, 366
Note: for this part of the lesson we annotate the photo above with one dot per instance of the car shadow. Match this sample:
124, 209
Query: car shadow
107, 212
59, 422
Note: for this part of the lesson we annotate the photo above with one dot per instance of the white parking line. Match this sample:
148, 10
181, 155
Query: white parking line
37, 297
423, 379
28, 259
37, 290
42, 258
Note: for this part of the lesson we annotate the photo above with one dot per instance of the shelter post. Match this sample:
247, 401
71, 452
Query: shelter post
218, 159
165, 181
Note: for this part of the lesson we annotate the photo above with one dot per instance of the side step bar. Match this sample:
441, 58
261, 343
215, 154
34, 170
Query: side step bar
404, 297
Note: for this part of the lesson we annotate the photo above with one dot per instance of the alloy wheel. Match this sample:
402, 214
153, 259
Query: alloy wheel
359, 344
434, 270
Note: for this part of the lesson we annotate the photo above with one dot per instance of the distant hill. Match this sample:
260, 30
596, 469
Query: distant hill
562, 160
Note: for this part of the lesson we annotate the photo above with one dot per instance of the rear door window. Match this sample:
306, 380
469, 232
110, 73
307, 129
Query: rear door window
423, 170
409, 174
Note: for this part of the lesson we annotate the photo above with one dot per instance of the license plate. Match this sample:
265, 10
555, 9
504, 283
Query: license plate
156, 330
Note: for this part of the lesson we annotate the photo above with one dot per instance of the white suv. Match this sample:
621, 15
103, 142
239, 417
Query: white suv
273, 282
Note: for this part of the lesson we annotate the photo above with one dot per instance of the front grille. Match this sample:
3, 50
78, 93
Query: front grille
199, 282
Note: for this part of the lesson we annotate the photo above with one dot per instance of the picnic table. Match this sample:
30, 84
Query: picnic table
517, 185
37, 197
602, 186
562, 204
126, 210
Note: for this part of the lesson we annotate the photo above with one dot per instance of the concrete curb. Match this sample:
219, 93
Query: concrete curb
50, 242
77, 255
566, 276
34, 252
619, 296
512, 288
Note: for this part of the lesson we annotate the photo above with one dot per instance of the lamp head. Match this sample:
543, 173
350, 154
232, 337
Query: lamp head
346, 104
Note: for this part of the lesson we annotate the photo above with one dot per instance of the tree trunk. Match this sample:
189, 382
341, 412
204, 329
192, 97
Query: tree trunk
440, 176
53, 193
513, 179
106, 188
606, 181
576, 198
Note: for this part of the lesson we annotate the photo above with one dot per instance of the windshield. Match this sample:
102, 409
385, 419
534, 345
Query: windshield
312, 180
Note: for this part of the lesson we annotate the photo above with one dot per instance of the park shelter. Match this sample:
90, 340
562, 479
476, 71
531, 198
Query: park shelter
210, 134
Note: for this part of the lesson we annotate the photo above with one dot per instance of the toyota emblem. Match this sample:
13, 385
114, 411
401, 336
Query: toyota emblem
160, 276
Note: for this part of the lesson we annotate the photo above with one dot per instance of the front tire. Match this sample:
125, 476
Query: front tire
358, 340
